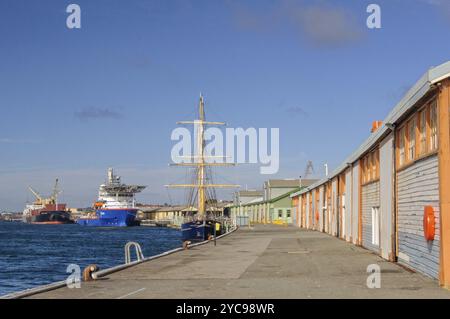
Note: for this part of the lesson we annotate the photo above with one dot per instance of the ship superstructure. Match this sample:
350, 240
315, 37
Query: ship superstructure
116, 205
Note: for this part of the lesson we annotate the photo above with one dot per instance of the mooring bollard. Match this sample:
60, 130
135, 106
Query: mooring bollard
186, 244
87, 272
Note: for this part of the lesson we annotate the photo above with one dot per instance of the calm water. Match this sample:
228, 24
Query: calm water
32, 255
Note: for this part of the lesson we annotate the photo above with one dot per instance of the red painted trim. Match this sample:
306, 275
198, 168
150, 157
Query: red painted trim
48, 223
105, 209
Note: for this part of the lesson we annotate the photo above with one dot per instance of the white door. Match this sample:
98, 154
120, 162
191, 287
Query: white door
376, 226
343, 216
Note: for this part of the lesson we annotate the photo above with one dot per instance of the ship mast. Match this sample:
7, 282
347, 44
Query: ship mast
201, 168
199, 161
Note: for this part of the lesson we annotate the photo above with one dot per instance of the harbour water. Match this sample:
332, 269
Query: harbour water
33, 255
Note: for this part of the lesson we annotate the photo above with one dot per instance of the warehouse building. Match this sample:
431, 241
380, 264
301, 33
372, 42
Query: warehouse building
392, 195
272, 204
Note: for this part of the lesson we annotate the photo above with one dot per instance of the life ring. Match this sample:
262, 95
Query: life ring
429, 224
317, 216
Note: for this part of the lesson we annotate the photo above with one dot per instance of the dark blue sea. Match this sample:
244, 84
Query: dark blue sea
33, 255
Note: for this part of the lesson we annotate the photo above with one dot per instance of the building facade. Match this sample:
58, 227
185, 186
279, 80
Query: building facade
392, 195
271, 204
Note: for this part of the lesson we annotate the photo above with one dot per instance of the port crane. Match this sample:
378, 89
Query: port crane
52, 199
309, 170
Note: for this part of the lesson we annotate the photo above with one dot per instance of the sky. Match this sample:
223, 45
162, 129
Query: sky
76, 101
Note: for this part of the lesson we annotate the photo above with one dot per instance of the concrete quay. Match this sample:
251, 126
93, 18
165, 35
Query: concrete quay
267, 261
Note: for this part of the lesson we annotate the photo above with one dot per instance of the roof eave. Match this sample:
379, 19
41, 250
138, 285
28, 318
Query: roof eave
423, 86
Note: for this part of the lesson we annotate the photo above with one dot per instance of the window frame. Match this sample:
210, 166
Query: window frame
370, 167
402, 146
422, 132
426, 135
411, 139
433, 140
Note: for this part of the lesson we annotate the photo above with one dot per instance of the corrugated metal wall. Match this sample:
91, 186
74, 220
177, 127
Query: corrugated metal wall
418, 186
370, 198
308, 211
329, 210
242, 220
386, 175
302, 219
294, 215
334, 209
304, 216
313, 210
348, 205
320, 208
355, 202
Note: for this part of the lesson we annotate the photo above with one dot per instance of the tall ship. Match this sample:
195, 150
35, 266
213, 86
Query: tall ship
116, 206
46, 210
200, 223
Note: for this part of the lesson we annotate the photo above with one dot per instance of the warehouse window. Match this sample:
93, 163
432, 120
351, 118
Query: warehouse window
433, 127
401, 146
412, 140
288, 213
374, 165
422, 132
280, 213
363, 170
370, 167
418, 136
378, 162
367, 171
375, 226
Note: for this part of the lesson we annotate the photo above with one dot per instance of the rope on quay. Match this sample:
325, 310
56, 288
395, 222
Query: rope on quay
101, 273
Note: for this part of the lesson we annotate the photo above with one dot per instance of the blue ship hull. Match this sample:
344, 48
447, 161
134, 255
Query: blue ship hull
111, 218
196, 231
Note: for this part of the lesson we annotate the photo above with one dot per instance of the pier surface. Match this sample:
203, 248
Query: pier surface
267, 261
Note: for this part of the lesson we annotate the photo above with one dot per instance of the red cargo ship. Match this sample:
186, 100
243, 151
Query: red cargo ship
46, 210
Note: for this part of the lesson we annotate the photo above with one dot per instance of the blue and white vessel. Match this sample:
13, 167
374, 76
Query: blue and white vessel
116, 206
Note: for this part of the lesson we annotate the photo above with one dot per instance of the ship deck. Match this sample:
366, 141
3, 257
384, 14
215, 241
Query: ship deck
267, 261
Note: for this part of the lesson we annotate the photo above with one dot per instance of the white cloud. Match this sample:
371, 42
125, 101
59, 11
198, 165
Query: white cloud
321, 24
327, 26
7, 140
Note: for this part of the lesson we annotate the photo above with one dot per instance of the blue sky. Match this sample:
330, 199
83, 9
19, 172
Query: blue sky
74, 102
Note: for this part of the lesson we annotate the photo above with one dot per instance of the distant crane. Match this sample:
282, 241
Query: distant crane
52, 199
39, 198
309, 170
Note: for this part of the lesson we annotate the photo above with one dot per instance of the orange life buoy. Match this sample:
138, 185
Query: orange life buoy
429, 227
317, 216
